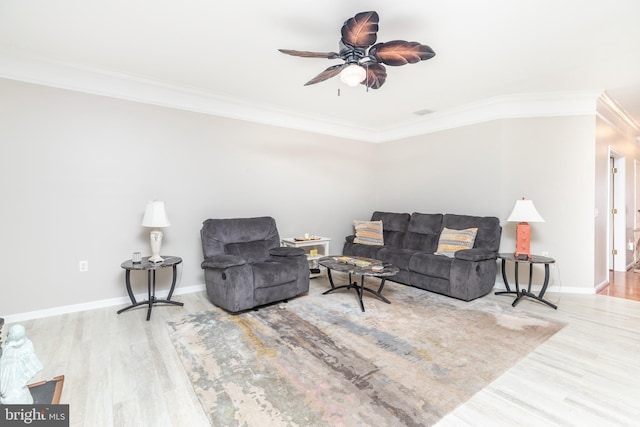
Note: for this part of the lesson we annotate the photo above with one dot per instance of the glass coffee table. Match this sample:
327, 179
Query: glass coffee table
358, 266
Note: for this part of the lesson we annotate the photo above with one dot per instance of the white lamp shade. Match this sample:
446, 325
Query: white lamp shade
524, 211
155, 215
353, 74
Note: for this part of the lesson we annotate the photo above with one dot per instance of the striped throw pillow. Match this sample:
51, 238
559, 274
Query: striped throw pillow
452, 241
368, 233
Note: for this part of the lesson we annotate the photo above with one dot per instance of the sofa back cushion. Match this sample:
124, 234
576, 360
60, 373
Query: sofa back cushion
394, 226
250, 238
489, 229
423, 232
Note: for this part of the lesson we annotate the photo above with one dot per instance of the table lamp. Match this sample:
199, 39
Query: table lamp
155, 216
523, 213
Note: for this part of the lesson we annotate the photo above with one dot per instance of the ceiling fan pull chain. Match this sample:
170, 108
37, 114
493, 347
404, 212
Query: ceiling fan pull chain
366, 66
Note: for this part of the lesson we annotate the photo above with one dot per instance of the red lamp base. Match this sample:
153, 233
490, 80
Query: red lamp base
523, 240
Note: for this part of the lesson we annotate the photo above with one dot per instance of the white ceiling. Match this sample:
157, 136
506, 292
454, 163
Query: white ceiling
222, 57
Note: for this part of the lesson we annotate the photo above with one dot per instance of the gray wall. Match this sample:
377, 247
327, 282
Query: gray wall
77, 169
453, 171
483, 169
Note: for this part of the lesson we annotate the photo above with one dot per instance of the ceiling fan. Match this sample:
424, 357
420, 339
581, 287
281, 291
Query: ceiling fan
363, 60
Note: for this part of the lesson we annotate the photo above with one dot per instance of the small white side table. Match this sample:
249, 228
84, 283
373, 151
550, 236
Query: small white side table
314, 247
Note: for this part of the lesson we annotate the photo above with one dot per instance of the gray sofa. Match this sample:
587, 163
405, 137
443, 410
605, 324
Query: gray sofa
411, 240
245, 267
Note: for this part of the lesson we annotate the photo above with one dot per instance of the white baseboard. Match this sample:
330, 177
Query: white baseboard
602, 285
56, 311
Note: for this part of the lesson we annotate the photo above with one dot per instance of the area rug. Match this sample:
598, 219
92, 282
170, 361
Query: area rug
318, 360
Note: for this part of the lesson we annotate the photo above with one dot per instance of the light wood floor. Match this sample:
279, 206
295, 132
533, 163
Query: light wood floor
123, 371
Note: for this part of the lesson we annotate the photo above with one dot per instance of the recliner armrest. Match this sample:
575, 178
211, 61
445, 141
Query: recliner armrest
476, 254
222, 261
286, 251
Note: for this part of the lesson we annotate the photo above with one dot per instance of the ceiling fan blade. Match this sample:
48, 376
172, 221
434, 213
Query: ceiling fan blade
400, 52
306, 54
361, 30
332, 71
376, 76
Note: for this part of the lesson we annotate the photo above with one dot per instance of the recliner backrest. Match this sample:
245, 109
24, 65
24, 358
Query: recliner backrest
394, 226
249, 238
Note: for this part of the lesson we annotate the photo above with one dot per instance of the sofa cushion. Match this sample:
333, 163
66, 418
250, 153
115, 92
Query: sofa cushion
366, 251
368, 233
452, 241
489, 229
394, 226
423, 232
431, 265
397, 256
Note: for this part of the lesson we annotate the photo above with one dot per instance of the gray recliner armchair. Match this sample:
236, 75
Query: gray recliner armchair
245, 266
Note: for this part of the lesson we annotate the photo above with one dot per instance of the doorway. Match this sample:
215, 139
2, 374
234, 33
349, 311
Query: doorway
636, 214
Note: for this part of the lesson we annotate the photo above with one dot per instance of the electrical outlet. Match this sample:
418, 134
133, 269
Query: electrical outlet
83, 266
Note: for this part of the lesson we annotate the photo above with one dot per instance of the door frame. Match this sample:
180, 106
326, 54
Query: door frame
616, 224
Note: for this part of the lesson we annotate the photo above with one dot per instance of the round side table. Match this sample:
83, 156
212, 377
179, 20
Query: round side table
150, 268
521, 293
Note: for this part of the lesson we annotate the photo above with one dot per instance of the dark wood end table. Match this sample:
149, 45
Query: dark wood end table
150, 268
521, 293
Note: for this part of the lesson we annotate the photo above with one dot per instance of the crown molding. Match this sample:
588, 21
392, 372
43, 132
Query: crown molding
16, 65
31, 69
500, 107
615, 115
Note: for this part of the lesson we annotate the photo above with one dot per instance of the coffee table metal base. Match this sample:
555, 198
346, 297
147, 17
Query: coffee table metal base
360, 289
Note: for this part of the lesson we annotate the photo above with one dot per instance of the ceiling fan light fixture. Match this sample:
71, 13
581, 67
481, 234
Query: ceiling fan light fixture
362, 57
352, 75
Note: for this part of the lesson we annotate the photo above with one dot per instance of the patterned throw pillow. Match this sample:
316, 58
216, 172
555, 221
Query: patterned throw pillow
368, 233
452, 241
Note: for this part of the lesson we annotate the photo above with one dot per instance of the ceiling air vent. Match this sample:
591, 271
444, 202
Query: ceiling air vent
422, 112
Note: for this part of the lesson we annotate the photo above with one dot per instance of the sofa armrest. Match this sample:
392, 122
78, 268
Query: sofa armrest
222, 261
286, 251
476, 254
350, 239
